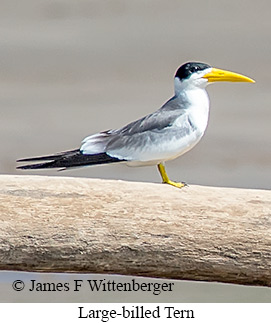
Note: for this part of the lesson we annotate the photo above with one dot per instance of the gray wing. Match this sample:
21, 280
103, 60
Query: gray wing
156, 121
141, 139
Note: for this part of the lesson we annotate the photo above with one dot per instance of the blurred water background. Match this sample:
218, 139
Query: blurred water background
72, 68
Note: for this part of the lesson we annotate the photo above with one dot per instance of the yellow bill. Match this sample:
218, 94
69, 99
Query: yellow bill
217, 75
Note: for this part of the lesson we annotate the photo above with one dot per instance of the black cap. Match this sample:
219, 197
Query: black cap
187, 69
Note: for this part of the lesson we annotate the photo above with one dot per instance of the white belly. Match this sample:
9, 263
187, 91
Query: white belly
165, 151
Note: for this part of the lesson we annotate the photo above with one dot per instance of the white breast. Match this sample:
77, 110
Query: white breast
198, 109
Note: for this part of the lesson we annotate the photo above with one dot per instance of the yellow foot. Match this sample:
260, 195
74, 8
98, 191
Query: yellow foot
166, 180
175, 184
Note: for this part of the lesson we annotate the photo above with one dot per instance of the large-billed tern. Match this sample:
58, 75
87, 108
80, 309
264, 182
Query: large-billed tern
156, 138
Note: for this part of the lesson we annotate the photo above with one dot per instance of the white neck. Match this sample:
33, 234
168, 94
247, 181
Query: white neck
196, 99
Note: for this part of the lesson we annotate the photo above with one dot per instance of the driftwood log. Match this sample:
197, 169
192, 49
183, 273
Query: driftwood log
60, 224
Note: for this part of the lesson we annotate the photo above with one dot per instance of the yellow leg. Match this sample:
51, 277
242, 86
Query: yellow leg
165, 178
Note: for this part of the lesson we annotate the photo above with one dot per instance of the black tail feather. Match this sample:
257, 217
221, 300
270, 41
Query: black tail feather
67, 159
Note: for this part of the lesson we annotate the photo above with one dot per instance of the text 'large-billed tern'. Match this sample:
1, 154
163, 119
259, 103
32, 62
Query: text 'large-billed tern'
156, 138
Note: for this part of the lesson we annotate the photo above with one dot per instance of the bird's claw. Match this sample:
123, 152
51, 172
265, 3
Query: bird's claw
176, 184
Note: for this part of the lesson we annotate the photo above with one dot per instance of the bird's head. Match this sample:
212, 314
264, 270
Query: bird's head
199, 75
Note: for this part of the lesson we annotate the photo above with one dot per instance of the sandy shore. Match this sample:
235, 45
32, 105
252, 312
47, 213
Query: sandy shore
69, 69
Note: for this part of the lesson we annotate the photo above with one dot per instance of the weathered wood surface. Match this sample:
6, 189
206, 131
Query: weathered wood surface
60, 224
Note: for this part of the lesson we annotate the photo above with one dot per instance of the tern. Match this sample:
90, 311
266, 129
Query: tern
158, 137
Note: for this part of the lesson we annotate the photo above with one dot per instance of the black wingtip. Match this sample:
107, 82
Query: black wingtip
68, 159
49, 157
36, 166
